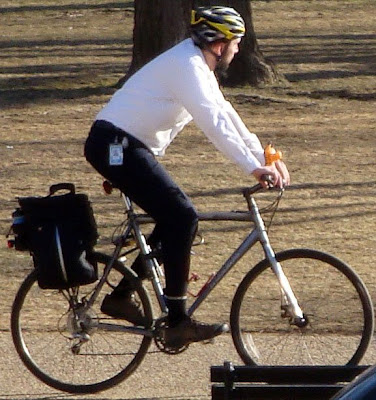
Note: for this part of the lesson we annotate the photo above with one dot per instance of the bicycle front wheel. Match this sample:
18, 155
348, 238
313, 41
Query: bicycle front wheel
46, 333
333, 298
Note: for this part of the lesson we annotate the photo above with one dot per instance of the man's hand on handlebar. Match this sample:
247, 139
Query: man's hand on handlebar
283, 172
277, 171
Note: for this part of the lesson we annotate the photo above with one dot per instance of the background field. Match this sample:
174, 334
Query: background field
58, 64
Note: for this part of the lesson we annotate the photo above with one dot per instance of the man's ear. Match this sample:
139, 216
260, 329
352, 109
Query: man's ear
218, 47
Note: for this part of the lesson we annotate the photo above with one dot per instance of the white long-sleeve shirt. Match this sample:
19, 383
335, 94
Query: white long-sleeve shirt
162, 97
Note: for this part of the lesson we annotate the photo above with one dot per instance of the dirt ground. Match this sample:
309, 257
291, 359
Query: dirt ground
58, 65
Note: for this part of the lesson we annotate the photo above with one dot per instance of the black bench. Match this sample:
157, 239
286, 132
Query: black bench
280, 382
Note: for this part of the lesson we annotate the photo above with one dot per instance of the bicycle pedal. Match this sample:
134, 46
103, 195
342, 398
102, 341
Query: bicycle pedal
82, 336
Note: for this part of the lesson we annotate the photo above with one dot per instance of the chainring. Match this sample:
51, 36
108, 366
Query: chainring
159, 338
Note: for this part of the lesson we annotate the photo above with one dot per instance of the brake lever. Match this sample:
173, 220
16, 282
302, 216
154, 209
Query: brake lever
269, 181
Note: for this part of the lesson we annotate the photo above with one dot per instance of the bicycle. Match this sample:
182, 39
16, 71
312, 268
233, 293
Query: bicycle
296, 307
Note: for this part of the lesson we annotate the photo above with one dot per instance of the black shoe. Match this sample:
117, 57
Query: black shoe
189, 331
124, 307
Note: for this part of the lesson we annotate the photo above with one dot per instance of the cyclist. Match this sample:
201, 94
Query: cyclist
139, 123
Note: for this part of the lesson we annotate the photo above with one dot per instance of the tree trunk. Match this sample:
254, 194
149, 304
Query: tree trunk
158, 25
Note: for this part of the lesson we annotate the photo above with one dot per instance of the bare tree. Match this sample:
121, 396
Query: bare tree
160, 24
249, 66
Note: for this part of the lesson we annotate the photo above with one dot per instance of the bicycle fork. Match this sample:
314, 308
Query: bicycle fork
289, 302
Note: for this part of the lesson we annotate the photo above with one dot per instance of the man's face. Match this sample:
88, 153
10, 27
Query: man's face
228, 52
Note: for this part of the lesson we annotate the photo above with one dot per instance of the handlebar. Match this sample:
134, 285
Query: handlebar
252, 190
258, 187
271, 156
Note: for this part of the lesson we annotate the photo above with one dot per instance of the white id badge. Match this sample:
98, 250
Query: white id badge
115, 154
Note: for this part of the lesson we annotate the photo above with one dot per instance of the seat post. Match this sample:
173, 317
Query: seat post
127, 202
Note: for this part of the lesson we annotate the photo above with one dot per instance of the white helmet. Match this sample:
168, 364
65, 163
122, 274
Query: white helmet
209, 24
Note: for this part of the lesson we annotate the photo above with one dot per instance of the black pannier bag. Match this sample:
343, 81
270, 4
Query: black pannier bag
60, 232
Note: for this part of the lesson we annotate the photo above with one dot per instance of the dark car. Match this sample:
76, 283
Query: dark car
363, 387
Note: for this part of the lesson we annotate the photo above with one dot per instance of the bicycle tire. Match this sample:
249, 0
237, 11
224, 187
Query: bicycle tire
40, 321
333, 298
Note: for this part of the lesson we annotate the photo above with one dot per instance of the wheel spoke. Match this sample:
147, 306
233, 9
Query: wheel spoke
82, 351
333, 298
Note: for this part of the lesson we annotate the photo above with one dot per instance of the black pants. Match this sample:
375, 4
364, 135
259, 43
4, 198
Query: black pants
147, 183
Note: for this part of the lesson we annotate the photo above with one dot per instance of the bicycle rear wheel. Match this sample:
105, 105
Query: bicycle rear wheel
44, 331
333, 298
